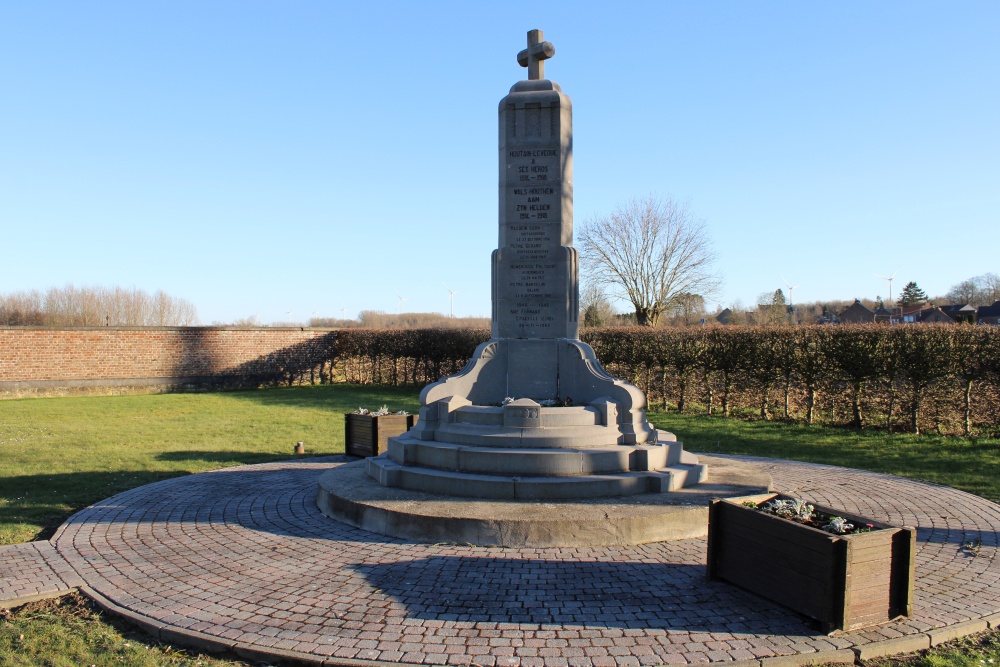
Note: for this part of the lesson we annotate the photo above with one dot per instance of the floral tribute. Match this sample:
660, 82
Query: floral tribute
381, 412
800, 511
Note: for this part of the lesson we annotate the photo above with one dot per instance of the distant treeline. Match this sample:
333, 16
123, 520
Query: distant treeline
927, 377
377, 319
95, 307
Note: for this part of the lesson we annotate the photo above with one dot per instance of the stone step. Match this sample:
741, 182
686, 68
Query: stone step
507, 487
685, 474
563, 462
480, 415
519, 437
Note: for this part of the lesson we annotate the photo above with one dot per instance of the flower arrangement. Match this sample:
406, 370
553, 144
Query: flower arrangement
545, 402
380, 412
796, 509
850, 572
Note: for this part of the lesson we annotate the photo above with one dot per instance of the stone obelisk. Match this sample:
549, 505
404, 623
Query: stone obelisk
534, 403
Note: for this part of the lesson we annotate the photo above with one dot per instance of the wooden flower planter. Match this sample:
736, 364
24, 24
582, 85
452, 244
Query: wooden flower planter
368, 435
843, 581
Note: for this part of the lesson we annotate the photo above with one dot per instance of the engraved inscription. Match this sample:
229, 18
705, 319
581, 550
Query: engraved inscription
534, 279
532, 179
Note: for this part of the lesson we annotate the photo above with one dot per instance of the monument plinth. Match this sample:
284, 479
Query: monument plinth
533, 416
534, 403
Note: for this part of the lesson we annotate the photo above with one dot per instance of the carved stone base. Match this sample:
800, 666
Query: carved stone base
348, 494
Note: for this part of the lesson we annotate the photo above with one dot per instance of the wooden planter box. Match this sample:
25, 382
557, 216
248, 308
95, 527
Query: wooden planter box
843, 581
367, 435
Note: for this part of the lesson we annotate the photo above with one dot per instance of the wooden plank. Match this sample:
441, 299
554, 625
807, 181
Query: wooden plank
875, 546
904, 550
774, 527
788, 554
811, 597
714, 526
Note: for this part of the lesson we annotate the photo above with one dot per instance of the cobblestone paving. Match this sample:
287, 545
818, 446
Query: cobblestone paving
33, 570
243, 558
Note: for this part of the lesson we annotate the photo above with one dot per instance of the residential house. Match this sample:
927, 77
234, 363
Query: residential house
961, 312
906, 315
883, 315
857, 313
989, 314
934, 315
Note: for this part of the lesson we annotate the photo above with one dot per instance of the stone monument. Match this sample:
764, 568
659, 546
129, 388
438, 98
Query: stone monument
533, 444
533, 415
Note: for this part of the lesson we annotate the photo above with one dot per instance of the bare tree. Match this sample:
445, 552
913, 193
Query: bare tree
652, 251
95, 306
978, 291
595, 309
772, 309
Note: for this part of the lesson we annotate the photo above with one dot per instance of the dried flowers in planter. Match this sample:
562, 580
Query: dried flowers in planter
842, 570
367, 432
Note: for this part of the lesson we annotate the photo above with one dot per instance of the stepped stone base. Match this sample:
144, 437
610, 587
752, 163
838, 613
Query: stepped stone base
513, 469
535, 474
347, 493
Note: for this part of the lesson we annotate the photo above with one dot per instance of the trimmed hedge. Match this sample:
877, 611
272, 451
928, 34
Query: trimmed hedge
940, 377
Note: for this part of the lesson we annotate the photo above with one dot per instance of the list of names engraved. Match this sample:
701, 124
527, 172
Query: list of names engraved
533, 215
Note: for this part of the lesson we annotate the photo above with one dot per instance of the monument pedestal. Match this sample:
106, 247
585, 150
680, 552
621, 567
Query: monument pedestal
533, 419
348, 494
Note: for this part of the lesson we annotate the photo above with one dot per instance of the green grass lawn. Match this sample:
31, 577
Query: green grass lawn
72, 632
58, 455
969, 464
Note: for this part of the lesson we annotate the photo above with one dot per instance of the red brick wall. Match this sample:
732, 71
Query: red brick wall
39, 358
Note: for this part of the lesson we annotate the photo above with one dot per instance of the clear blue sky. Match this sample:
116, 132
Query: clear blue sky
282, 159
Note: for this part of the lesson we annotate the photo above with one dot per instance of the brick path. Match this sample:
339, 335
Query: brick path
33, 571
243, 559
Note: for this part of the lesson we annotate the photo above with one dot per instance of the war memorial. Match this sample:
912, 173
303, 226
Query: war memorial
533, 517
533, 443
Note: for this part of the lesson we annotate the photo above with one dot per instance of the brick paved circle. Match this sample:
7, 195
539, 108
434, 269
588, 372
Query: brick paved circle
243, 558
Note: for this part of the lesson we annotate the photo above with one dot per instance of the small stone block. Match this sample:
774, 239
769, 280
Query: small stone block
434, 455
993, 621
195, 640
522, 413
613, 460
446, 406
386, 472
272, 654
949, 632
397, 451
608, 411
839, 657
649, 457
752, 662
908, 644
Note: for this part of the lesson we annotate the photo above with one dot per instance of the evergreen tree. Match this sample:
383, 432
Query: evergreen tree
911, 295
878, 303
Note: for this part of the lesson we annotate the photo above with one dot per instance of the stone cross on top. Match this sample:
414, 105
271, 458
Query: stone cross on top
533, 56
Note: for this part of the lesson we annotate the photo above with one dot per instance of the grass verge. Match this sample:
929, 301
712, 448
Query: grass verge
61, 454
58, 455
71, 631
969, 464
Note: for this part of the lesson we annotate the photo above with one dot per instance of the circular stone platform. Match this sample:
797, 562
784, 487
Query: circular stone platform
242, 559
348, 494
